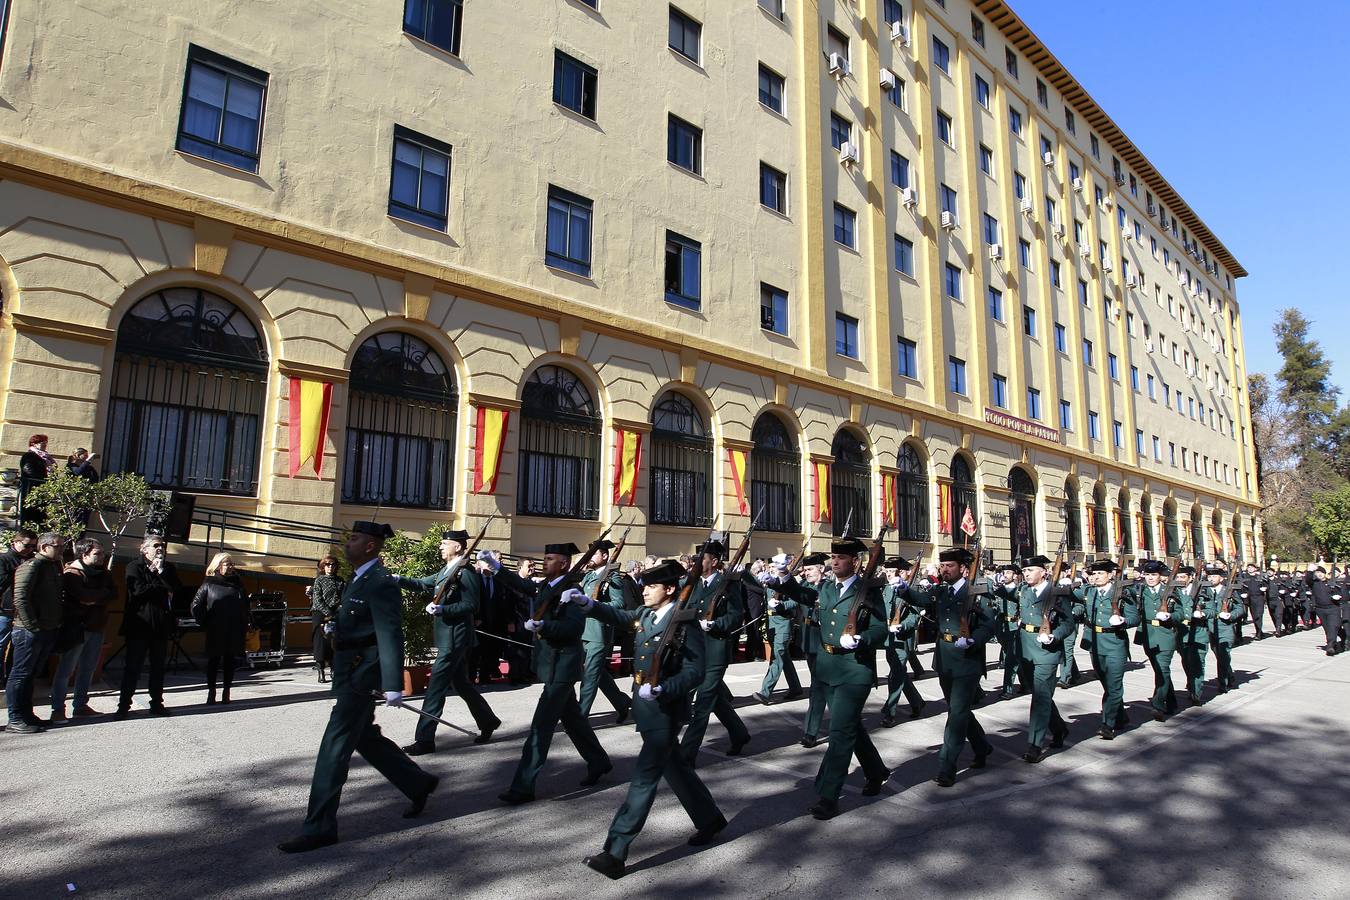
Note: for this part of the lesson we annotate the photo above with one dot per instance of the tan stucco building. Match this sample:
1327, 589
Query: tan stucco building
898, 239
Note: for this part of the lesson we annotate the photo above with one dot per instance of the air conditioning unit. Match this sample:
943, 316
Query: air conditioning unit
1085, 252
1107, 203
1106, 265
838, 66
1049, 159
1148, 345
1181, 279
1028, 206
848, 153
1120, 179
1078, 185
1126, 234
995, 251
909, 198
948, 220
900, 33
1057, 229
1134, 284
888, 79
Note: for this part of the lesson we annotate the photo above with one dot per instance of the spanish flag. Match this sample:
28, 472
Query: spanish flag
487, 452
310, 402
888, 512
822, 478
737, 460
944, 508
627, 462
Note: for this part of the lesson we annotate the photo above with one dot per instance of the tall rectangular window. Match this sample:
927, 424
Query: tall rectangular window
841, 130
1033, 404
944, 127
952, 282
956, 375
981, 92
1061, 342
1094, 426
986, 160
419, 185
573, 84
684, 277
1066, 415
771, 89
1082, 292
1010, 61
1015, 121
845, 335
1157, 448
1024, 253
907, 353
899, 170
1019, 185
1087, 353
977, 29
1042, 95
4, 25
942, 55
1028, 321
1139, 442
773, 188
568, 243
685, 33
1055, 277
896, 92
438, 22
999, 390
222, 112
996, 304
1134, 378
1118, 435
990, 229
1113, 366
947, 198
684, 145
845, 220
904, 256
773, 309
892, 11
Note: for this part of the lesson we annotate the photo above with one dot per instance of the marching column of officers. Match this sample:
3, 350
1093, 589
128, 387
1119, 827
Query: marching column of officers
686, 621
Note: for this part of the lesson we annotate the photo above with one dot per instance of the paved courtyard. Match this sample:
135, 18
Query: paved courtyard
1247, 796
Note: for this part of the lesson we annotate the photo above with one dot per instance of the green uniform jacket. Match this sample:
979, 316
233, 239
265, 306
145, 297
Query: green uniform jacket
558, 657
1004, 601
1156, 634
681, 673
369, 636
1029, 610
1226, 632
903, 643
596, 631
835, 666
1095, 605
728, 616
454, 626
1195, 629
806, 608
946, 609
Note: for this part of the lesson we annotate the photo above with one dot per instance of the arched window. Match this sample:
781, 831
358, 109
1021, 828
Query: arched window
963, 498
1146, 543
681, 464
189, 388
1197, 534
401, 415
559, 447
775, 476
1021, 513
1123, 524
1171, 528
911, 487
1101, 534
850, 484
1072, 520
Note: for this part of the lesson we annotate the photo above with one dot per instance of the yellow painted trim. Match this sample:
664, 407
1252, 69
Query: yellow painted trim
27, 323
212, 238
289, 369
813, 301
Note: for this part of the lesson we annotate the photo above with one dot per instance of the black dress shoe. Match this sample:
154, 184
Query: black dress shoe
736, 748
1159, 715
420, 802
515, 798
307, 842
121, 714
622, 715
762, 698
606, 865
593, 776
1064, 683
889, 721
810, 740
162, 710
1107, 734
980, 760
1034, 754
420, 748
917, 709
872, 786
1008, 695
1057, 740
485, 736
945, 780
704, 836
825, 809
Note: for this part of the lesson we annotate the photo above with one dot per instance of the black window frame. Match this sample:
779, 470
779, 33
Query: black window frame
677, 294
778, 178
911, 494
417, 215
850, 341
903, 343
964, 495
768, 312
565, 64
686, 23
215, 151
678, 132
776, 83
567, 262
423, 30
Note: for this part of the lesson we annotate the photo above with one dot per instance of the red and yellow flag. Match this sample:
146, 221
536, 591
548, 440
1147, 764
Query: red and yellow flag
1092, 526
627, 462
888, 500
737, 460
310, 402
821, 471
487, 453
944, 508
1139, 531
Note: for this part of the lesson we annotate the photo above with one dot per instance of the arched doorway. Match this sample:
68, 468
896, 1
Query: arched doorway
1101, 535
1021, 513
559, 447
775, 476
681, 463
911, 487
963, 499
850, 484
1073, 523
1124, 526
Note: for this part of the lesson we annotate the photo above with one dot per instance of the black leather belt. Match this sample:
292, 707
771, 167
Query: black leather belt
1032, 628
838, 651
1108, 629
367, 641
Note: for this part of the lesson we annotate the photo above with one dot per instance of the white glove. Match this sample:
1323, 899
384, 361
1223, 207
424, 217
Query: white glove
902, 584
493, 563
531, 624
433, 608
572, 595
1046, 638
962, 643
1199, 613
1116, 621
1225, 616
705, 624
649, 692
327, 627
895, 629
769, 579
775, 603
1164, 615
393, 698
849, 641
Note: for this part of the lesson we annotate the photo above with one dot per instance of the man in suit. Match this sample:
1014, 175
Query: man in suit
368, 658
455, 604
1108, 612
558, 658
660, 706
597, 639
721, 612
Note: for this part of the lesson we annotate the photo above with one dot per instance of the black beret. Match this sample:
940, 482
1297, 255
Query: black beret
374, 529
567, 549
1185, 570
1215, 568
1010, 567
668, 571
603, 544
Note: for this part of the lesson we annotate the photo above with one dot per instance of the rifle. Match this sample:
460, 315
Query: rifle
572, 577
732, 565
608, 568
902, 608
874, 558
460, 561
1046, 625
1118, 583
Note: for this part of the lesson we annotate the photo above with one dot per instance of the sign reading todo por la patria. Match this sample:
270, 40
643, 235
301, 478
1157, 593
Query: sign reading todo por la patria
1021, 426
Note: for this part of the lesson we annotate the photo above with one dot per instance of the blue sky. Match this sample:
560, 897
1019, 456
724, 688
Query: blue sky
1238, 104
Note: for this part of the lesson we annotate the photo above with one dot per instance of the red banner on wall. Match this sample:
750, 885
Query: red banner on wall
945, 508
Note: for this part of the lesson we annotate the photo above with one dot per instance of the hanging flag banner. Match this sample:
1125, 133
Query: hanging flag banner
1120, 525
1092, 526
627, 462
968, 523
1215, 541
737, 460
822, 479
888, 511
487, 452
944, 508
310, 402
1162, 534
1139, 532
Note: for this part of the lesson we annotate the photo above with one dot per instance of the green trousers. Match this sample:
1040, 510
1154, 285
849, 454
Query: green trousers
1193, 658
1110, 669
595, 677
847, 738
352, 729
897, 683
960, 693
1045, 717
1164, 694
557, 703
1011, 643
815, 701
451, 671
780, 661
1223, 655
1068, 666
713, 698
660, 757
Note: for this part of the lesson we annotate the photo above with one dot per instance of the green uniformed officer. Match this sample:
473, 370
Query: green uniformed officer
1226, 626
1157, 634
368, 658
722, 632
597, 640
1196, 608
902, 624
558, 657
846, 670
813, 574
455, 590
660, 708
1044, 619
964, 625
778, 625
1004, 604
1106, 623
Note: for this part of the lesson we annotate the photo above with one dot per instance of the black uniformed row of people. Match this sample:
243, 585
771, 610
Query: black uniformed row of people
848, 623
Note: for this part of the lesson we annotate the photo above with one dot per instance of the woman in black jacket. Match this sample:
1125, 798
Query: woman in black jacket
325, 596
34, 467
148, 622
221, 607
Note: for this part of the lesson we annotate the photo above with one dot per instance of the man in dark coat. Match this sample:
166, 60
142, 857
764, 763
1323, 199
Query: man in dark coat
148, 623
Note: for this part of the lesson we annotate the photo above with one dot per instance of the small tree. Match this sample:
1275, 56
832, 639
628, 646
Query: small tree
1330, 523
118, 500
416, 558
